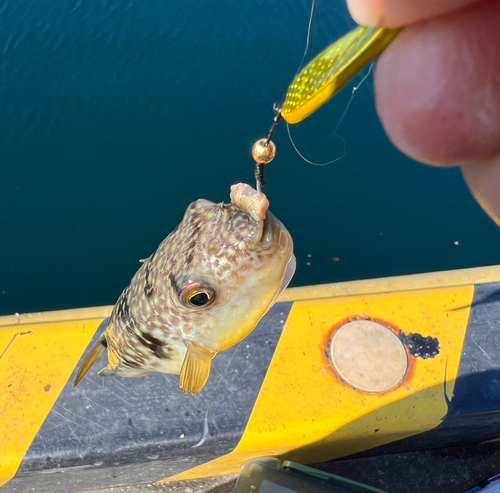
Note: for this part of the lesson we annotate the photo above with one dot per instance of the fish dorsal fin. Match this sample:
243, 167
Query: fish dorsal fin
195, 368
91, 358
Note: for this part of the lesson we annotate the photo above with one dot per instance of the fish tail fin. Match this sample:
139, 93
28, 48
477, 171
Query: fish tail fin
195, 368
91, 358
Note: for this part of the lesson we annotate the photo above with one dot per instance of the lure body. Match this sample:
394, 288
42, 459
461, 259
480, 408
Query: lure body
332, 69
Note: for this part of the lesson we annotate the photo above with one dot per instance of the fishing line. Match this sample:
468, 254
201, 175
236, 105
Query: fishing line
344, 113
308, 37
354, 89
334, 134
312, 162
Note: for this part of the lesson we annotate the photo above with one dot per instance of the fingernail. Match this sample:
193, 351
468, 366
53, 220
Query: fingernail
366, 12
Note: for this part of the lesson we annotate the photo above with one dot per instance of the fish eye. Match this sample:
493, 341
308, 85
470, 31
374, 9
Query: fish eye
197, 295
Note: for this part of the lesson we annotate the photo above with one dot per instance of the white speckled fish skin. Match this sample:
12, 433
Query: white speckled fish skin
245, 261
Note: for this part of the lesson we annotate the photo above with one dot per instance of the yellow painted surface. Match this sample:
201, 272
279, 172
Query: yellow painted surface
70, 315
36, 361
306, 414
303, 410
428, 280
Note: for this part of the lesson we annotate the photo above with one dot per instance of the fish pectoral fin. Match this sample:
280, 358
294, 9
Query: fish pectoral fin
107, 372
90, 359
195, 368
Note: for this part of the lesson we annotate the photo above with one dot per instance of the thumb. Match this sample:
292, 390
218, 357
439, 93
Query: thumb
396, 13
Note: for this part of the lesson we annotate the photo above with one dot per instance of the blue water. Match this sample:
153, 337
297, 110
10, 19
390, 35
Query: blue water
115, 114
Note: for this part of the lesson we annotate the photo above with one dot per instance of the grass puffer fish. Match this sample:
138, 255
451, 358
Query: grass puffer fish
204, 289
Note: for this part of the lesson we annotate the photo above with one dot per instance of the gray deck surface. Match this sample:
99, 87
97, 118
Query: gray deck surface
449, 470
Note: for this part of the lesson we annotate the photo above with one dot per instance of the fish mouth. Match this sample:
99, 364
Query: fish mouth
275, 237
266, 233
270, 230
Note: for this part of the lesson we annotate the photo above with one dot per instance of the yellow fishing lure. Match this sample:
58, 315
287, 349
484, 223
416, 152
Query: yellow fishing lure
332, 69
329, 72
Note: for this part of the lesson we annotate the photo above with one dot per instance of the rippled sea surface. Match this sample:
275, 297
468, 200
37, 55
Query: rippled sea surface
115, 115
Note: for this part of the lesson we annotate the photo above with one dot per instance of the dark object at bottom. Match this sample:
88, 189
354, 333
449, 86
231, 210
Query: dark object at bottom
492, 485
270, 475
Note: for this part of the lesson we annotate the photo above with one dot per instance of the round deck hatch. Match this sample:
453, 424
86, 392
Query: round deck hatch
368, 356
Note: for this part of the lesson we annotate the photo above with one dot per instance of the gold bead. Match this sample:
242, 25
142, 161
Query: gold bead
263, 153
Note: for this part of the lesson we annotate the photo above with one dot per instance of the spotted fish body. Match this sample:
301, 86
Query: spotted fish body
203, 290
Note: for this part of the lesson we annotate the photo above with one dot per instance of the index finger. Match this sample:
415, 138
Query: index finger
396, 13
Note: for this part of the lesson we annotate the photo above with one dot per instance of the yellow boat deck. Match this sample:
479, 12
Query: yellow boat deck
340, 370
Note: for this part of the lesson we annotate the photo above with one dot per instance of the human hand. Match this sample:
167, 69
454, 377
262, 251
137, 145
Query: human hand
437, 86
